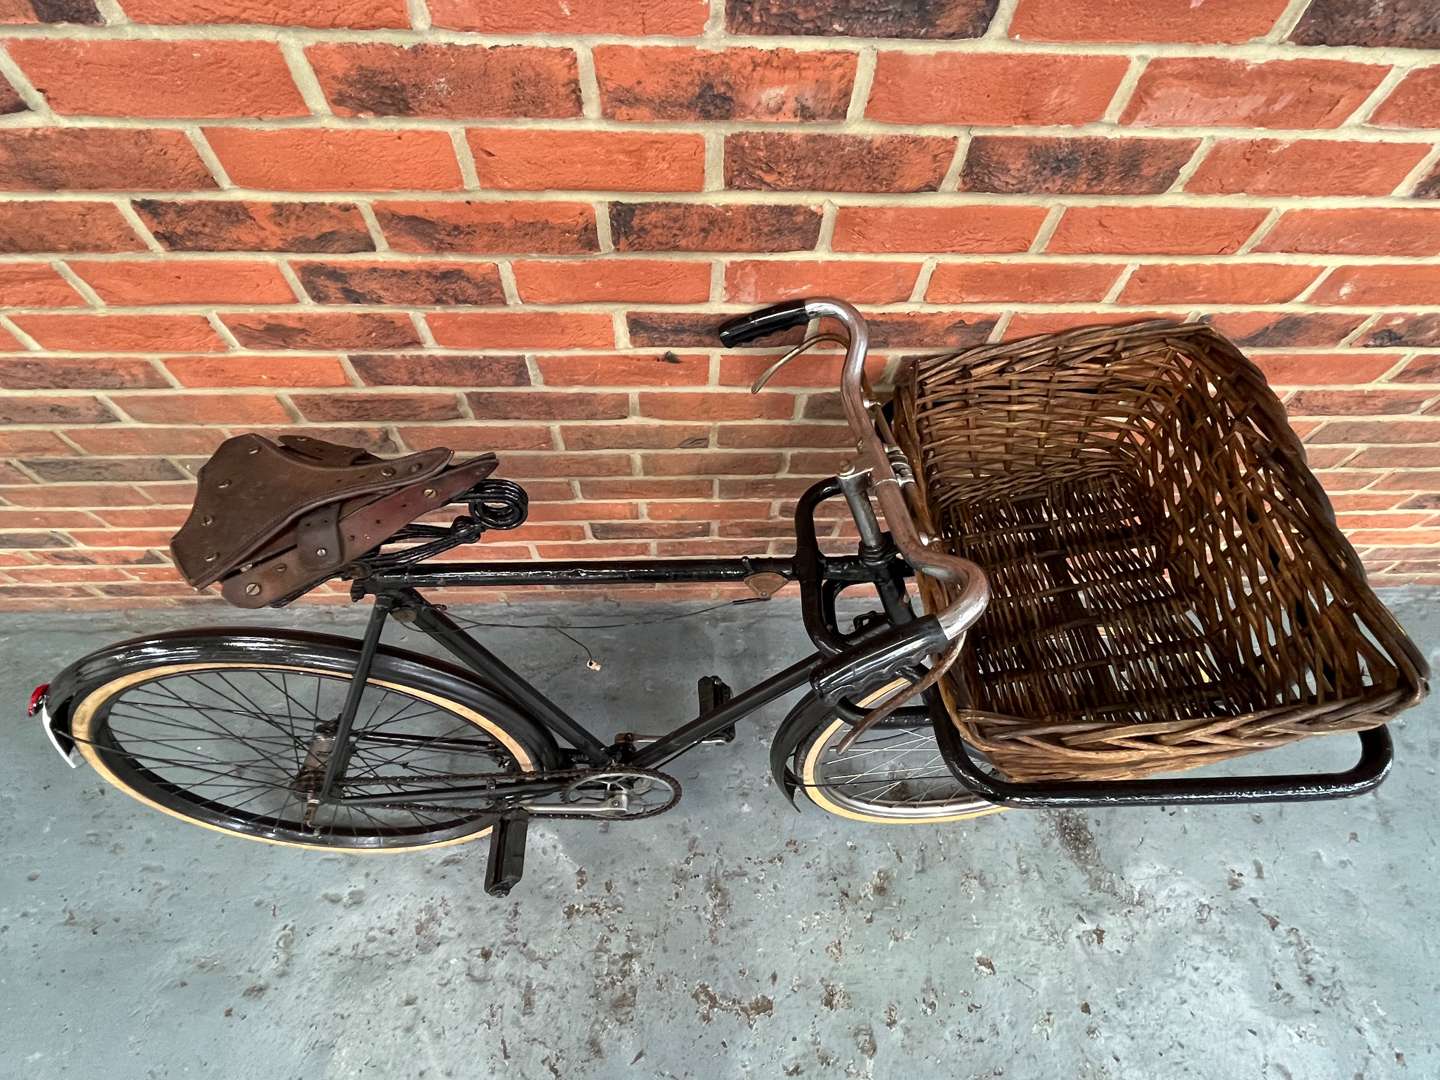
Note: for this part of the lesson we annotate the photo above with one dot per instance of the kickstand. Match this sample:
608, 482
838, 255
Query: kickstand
506, 864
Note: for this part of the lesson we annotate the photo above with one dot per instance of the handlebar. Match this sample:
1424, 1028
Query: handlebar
889, 473
743, 329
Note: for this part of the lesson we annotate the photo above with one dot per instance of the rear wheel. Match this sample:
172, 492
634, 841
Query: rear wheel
891, 775
216, 735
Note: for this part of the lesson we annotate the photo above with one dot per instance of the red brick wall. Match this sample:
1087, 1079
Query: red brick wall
512, 224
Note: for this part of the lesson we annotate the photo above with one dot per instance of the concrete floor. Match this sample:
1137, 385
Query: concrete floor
731, 937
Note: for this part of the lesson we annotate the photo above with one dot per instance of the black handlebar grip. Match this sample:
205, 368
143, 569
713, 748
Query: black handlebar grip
770, 320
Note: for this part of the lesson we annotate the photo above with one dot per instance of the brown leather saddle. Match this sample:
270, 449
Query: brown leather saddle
271, 522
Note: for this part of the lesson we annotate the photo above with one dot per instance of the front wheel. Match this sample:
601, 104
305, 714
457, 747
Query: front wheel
231, 731
891, 775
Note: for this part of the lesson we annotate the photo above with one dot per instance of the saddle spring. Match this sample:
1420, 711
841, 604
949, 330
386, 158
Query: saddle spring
492, 504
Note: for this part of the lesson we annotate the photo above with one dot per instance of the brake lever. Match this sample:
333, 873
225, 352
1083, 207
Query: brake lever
804, 346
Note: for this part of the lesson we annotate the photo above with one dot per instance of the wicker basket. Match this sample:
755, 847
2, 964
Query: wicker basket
1170, 587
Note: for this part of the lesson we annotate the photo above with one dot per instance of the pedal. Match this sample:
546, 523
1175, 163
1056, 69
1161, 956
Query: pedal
506, 863
713, 695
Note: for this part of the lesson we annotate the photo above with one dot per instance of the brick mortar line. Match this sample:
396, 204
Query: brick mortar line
302, 296
1362, 112
988, 307
76, 282
357, 383
604, 238
422, 328
142, 231
1125, 89
465, 158
1386, 381
718, 258
837, 126
1303, 296
922, 281
714, 176
863, 82
1118, 285
505, 268
1262, 230
208, 157
557, 353
24, 88
634, 419
307, 84
889, 200
29, 343
1421, 170
1397, 367
372, 225
1191, 167
951, 180
305, 36
999, 27
590, 102
825, 238
419, 14
1365, 327
224, 332
1285, 24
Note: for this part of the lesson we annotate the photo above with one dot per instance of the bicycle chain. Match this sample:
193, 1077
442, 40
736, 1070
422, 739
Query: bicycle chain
562, 775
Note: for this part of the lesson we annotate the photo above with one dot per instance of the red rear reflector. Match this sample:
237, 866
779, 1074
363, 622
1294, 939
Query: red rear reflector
36, 697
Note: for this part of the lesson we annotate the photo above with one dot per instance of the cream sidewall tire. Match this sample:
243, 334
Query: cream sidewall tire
82, 719
816, 793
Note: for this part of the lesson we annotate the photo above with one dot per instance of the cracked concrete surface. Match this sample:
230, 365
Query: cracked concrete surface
731, 937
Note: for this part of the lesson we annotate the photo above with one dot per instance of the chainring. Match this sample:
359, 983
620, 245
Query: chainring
622, 774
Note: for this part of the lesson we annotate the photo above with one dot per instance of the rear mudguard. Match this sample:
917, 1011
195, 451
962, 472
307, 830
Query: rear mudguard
263, 645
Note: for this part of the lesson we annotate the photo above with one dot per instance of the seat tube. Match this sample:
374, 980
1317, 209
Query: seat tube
340, 752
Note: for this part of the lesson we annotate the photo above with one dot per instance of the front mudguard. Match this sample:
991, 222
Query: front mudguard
808, 714
850, 676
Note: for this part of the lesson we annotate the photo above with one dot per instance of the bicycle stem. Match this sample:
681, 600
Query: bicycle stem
880, 458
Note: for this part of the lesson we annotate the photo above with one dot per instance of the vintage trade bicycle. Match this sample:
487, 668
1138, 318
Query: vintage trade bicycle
904, 716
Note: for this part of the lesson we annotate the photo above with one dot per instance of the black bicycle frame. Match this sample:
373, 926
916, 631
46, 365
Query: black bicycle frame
842, 667
822, 578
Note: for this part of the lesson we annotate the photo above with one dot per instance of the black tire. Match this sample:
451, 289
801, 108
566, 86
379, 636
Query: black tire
194, 689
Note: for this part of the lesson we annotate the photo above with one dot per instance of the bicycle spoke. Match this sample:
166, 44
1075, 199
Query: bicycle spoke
238, 746
890, 772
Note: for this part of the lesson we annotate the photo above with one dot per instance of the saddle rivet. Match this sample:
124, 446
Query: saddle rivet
429, 493
252, 589
387, 471
321, 552
223, 484
207, 520
280, 569
253, 450
212, 556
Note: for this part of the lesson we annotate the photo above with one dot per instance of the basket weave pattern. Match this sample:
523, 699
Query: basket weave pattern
1170, 587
